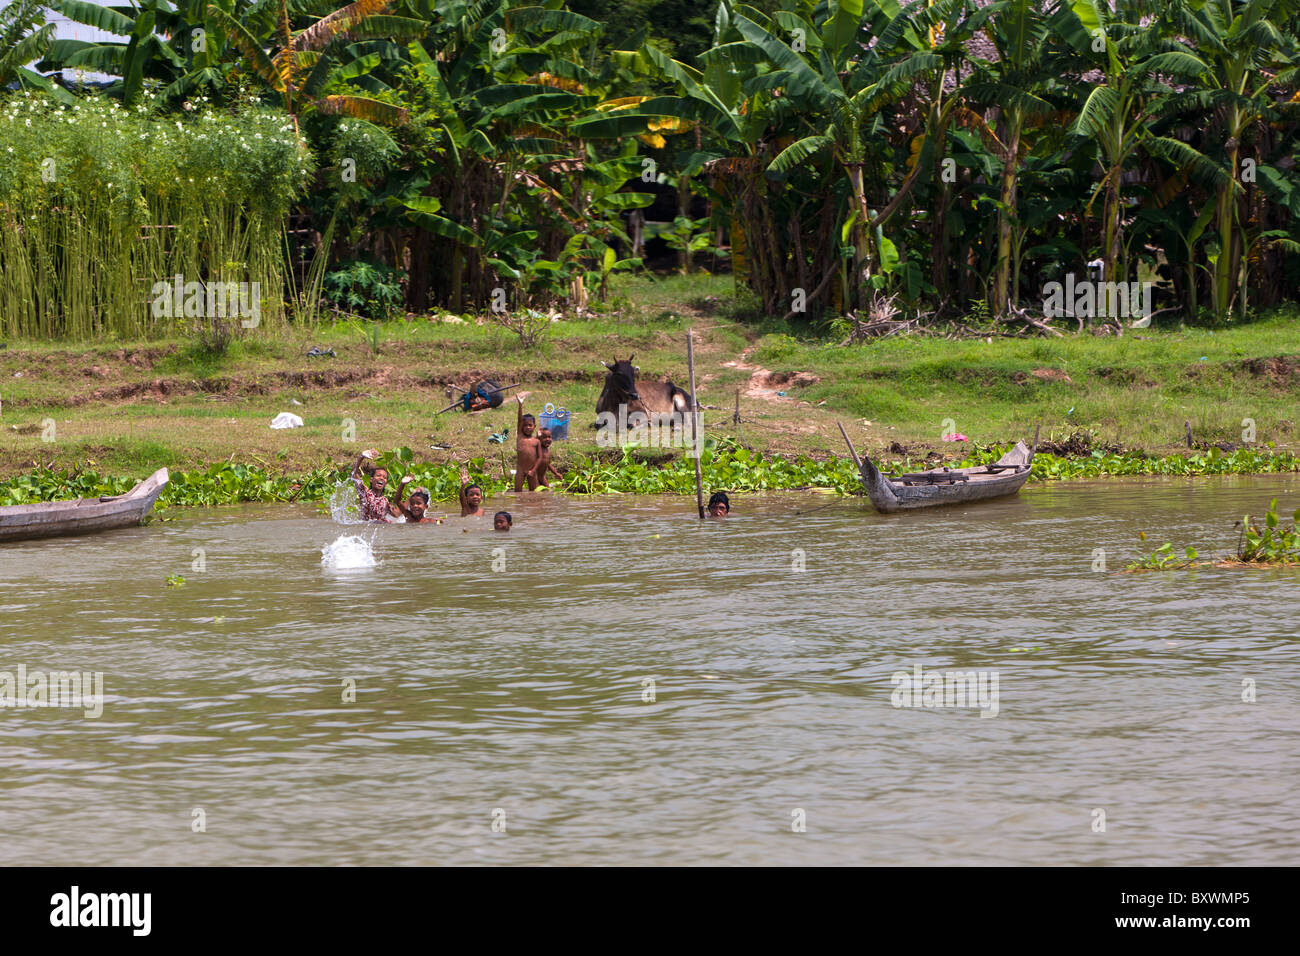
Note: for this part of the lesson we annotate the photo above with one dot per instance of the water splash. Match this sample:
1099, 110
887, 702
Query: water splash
348, 552
345, 507
343, 504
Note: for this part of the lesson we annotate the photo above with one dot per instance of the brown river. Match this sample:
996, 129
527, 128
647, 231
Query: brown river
615, 682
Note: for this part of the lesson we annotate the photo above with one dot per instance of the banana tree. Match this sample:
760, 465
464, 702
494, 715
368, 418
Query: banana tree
840, 101
303, 60
939, 99
24, 38
1016, 83
1119, 112
516, 184
734, 124
142, 54
1243, 50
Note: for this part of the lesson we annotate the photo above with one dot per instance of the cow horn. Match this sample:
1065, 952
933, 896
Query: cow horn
630, 358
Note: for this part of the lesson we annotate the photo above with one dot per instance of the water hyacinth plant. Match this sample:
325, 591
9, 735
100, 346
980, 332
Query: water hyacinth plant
1163, 558
725, 465
1270, 543
99, 202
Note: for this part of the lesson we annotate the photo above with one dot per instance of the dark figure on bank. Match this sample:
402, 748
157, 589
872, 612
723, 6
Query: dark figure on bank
482, 395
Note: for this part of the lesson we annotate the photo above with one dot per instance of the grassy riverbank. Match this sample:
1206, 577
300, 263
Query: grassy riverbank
127, 408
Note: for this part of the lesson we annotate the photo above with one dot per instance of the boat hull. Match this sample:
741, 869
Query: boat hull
980, 484
83, 516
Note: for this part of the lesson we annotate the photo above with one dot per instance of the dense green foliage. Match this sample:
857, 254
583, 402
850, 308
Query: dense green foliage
1242, 461
100, 202
873, 156
725, 466
363, 289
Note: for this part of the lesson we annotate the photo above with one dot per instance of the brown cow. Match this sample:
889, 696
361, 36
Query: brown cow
653, 399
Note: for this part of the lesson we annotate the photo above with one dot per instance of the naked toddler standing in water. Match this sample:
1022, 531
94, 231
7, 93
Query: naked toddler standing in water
527, 449
544, 465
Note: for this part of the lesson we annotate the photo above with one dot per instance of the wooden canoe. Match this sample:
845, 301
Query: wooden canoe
85, 515
945, 486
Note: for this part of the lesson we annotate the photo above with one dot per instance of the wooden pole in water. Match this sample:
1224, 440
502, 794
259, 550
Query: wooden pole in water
695, 422
852, 451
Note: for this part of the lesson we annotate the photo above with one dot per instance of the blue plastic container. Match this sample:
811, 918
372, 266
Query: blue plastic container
557, 420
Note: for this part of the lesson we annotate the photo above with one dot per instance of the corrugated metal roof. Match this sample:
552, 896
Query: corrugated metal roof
65, 29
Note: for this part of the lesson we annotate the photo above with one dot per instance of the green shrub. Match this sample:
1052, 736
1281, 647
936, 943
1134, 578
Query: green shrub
364, 289
98, 203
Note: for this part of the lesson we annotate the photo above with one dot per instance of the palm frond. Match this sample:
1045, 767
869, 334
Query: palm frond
794, 154
362, 107
247, 44
339, 24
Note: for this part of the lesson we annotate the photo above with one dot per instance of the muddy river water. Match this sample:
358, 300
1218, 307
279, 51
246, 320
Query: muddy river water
614, 682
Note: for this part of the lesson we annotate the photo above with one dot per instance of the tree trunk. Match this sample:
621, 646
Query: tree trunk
939, 272
1224, 271
1113, 264
1010, 178
861, 238
684, 211
1114, 209
636, 232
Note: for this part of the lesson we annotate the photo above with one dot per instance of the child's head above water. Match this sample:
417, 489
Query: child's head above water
474, 495
719, 505
418, 503
502, 521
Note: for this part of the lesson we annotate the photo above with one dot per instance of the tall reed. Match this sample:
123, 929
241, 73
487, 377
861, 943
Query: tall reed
98, 203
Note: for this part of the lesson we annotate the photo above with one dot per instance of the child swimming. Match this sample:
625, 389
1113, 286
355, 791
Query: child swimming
471, 496
371, 502
416, 508
502, 521
719, 505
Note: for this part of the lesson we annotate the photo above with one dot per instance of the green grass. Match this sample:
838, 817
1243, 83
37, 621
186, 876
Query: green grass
1133, 393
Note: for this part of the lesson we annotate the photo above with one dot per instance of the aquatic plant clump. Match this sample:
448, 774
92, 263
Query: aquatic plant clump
724, 465
1266, 545
1269, 543
99, 204
1164, 558
1242, 461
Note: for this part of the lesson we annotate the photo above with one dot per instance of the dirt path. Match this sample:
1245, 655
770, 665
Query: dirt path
766, 385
